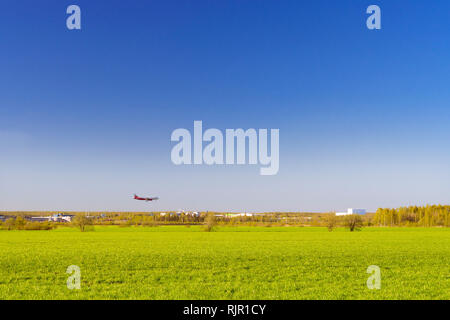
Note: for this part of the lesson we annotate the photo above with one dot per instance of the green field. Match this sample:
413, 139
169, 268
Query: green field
233, 263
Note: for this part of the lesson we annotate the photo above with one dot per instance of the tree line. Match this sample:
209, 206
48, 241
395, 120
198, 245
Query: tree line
425, 216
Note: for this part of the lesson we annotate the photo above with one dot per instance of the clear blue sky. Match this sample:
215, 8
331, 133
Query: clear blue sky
86, 116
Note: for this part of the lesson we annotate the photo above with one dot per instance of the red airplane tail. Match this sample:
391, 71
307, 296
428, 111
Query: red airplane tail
135, 196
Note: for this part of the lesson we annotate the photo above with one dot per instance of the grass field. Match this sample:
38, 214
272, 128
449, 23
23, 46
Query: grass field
234, 263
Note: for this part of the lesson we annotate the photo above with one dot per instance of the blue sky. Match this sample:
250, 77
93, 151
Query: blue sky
86, 115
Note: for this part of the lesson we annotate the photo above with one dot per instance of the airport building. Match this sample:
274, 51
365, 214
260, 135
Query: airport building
351, 211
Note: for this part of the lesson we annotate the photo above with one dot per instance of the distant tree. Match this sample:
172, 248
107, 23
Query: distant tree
10, 224
149, 222
82, 222
19, 223
210, 222
330, 221
353, 222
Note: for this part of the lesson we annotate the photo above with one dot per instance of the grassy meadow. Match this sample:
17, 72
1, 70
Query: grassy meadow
178, 262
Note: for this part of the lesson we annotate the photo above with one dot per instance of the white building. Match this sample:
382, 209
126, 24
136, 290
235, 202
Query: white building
61, 217
246, 214
351, 211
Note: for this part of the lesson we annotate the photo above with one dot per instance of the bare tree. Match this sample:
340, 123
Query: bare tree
81, 221
330, 221
210, 222
353, 222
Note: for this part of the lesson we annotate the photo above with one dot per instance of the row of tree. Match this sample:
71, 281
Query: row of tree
427, 216
19, 223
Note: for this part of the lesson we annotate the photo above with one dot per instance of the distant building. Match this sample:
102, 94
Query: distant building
246, 214
40, 219
235, 215
60, 217
351, 211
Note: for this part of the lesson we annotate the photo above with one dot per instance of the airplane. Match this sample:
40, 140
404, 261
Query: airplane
145, 199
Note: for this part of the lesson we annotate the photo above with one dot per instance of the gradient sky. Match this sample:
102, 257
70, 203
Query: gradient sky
86, 116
